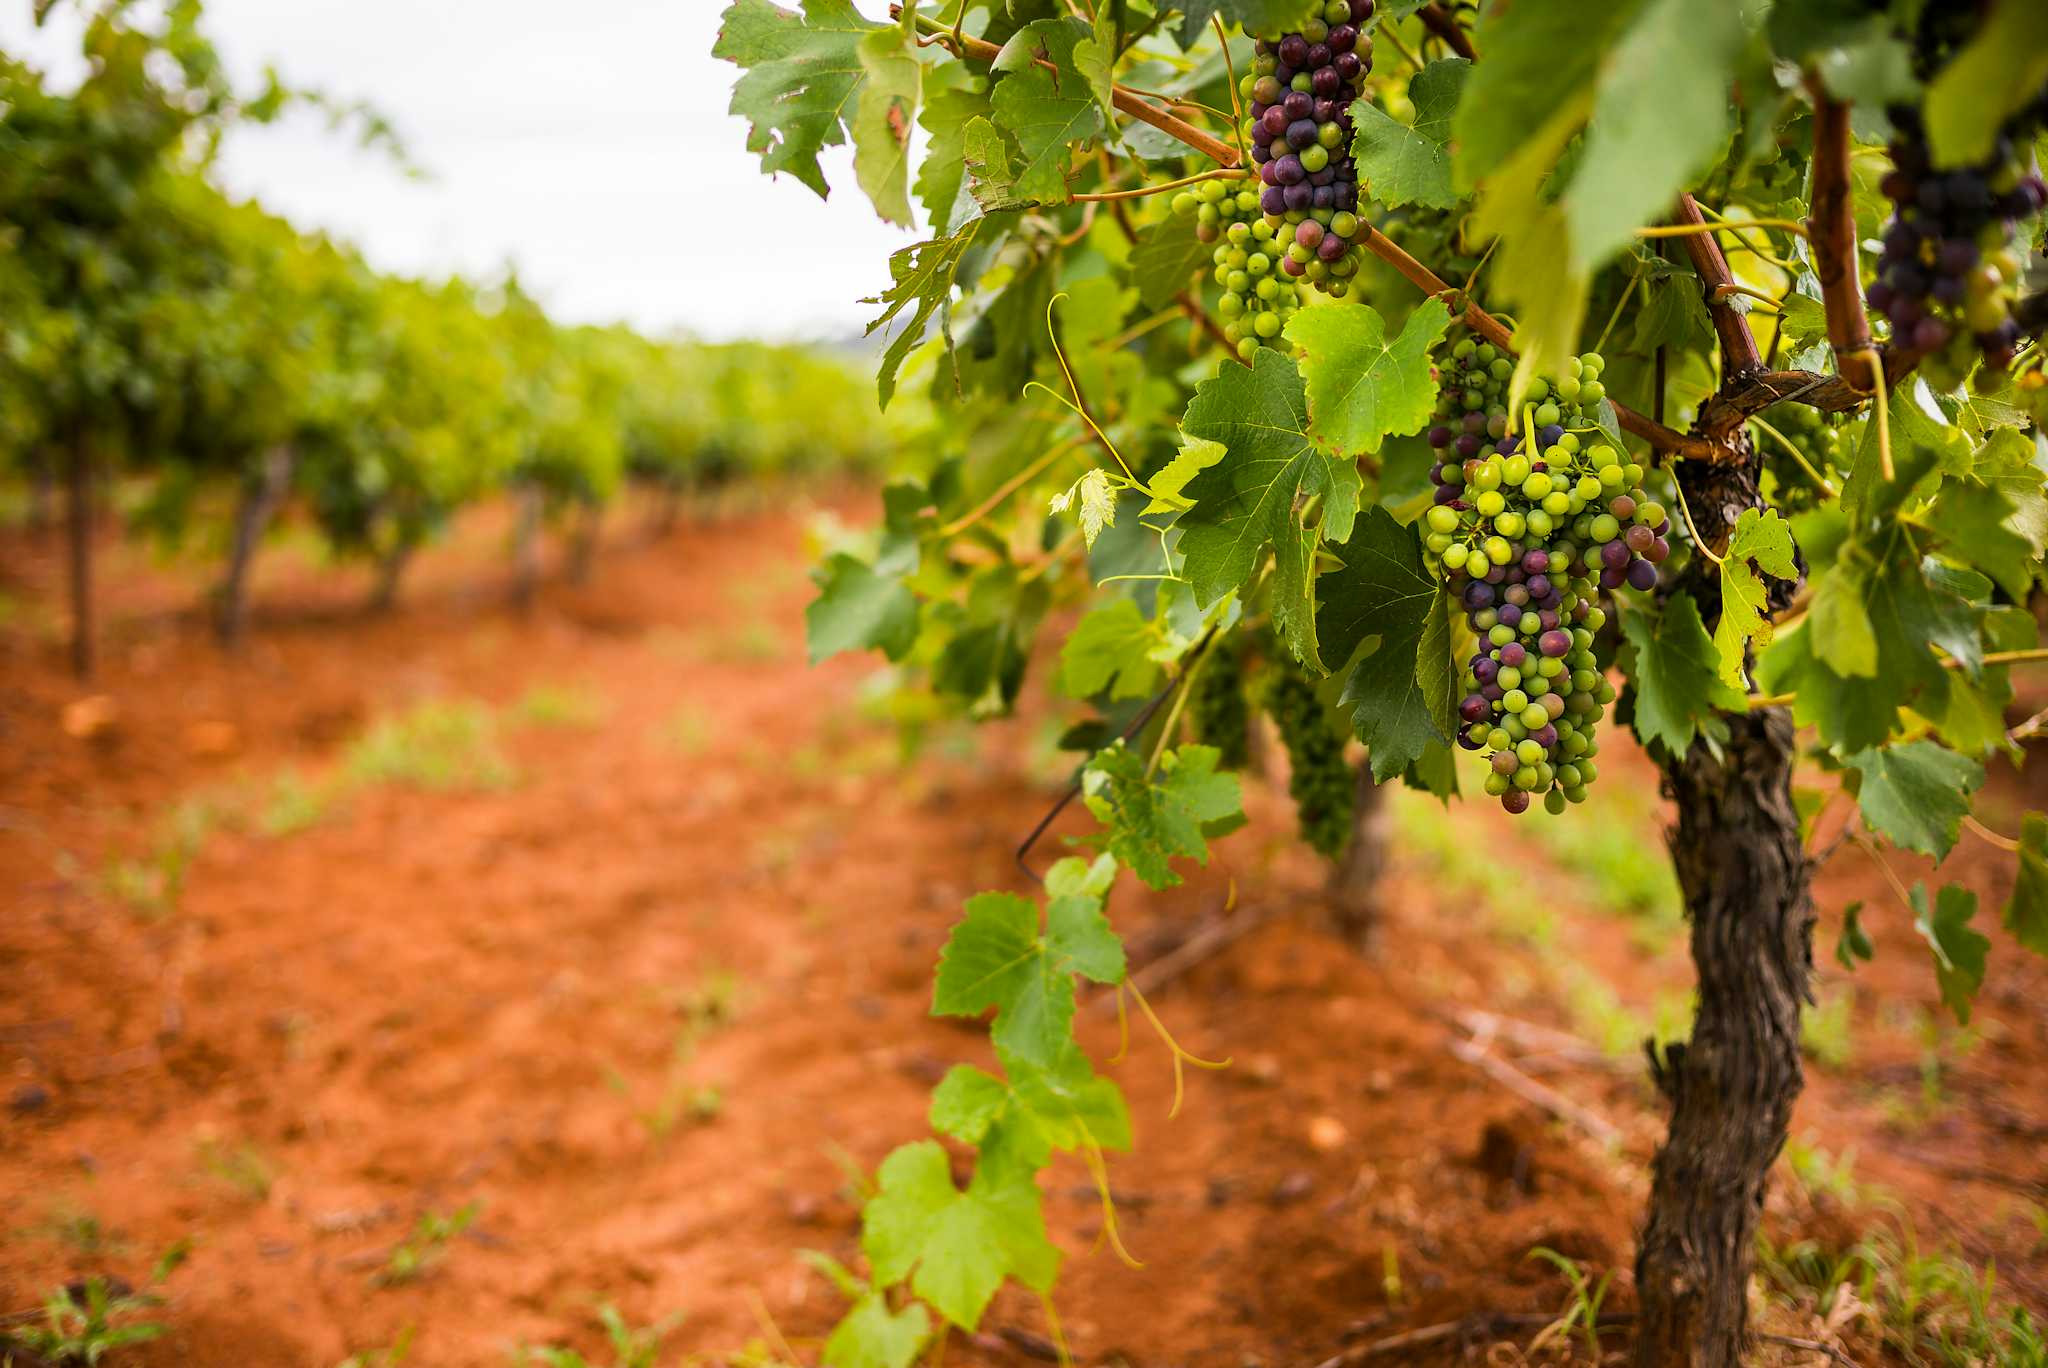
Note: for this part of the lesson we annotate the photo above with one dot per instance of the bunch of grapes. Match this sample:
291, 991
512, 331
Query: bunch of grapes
1949, 268
1217, 709
1823, 447
1528, 528
1319, 777
1300, 90
1258, 296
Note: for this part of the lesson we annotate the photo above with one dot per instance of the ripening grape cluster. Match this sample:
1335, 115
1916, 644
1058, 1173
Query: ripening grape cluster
1528, 528
1258, 295
1949, 269
1319, 778
1217, 709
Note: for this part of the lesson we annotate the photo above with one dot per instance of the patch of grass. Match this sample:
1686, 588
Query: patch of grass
710, 1003
388, 1357
1827, 1030
750, 642
426, 1247
1581, 1313
439, 746
687, 731
1425, 832
1821, 1173
1599, 1014
680, 1101
1611, 847
1929, 1308
630, 1348
237, 1166
151, 884
82, 1231
560, 705
83, 1322
294, 804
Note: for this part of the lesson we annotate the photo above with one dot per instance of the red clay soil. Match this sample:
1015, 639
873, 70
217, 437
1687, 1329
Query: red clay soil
428, 1000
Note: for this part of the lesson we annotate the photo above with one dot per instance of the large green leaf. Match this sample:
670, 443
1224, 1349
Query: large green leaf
1400, 692
942, 178
923, 282
857, 609
1151, 820
870, 1335
802, 81
1165, 260
1661, 115
2000, 71
956, 1247
1411, 163
1765, 539
2026, 912
1540, 59
1916, 794
1363, 387
1048, 112
998, 958
884, 119
1110, 649
1959, 952
1675, 672
1246, 501
1254, 16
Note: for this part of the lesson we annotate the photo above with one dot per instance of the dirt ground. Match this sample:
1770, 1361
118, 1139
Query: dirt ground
646, 997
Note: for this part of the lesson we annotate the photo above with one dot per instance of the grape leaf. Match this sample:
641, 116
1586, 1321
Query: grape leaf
1411, 163
1246, 500
2026, 912
1046, 111
961, 1245
1762, 537
1067, 1106
1975, 520
1958, 951
857, 609
922, 275
942, 179
997, 958
870, 1335
1916, 794
1152, 820
802, 79
1361, 387
1110, 649
967, 1102
1679, 693
1842, 634
1400, 693
1661, 115
2000, 71
1802, 322
1542, 59
991, 178
1165, 260
882, 121
1096, 498
1854, 943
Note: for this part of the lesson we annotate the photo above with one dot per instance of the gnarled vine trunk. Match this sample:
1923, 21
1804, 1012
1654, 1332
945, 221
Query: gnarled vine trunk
391, 567
526, 547
78, 523
261, 498
1731, 1086
1354, 888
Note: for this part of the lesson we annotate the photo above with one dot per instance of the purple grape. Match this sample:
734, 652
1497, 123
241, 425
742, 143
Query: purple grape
1556, 643
1514, 655
1639, 539
1332, 247
1301, 133
1349, 66
1478, 596
1299, 196
1485, 670
1610, 577
1319, 55
1446, 494
1545, 735
1504, 762
1440, 436
1929, 334
1614, 555
1535, 562
1327, 80
1515, 801
1343, 38
1467, 444
1642, 575
1511, 615
1293, 51
1539, 585
1299, 104
1273, 201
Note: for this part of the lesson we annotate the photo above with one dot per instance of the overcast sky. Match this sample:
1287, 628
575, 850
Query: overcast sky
587, 143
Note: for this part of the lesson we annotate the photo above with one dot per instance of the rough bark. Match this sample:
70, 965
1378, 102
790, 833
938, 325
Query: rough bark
583, 542
391, 568
42, 490
526, 548
261, 498
1355, 881
1731, 1086
78, 521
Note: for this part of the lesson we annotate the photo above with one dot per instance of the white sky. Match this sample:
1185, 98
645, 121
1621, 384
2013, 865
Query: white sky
588, 143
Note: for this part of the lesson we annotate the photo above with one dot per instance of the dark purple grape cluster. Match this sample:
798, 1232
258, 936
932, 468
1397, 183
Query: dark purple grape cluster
1300, 90
1949, 270
1528, 528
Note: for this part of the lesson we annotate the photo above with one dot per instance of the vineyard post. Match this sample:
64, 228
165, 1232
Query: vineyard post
261, 497
391, 568
78, 522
